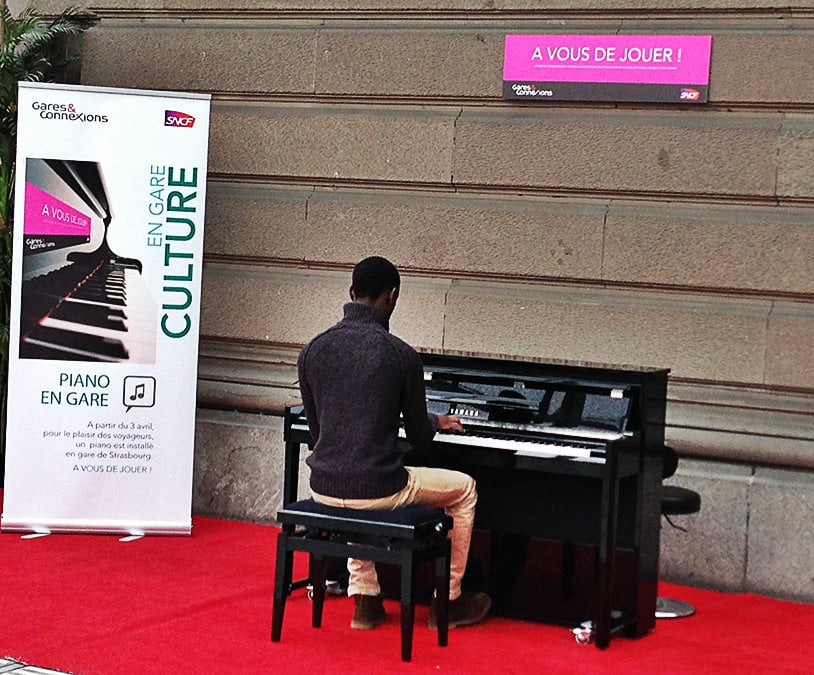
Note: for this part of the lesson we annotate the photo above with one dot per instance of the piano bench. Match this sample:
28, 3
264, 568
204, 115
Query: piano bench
676, 501
404, 537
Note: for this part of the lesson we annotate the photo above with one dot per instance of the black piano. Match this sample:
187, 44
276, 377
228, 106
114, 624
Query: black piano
79, 300
568, 463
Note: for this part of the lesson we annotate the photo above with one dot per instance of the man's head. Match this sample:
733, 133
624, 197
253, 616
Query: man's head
376, 282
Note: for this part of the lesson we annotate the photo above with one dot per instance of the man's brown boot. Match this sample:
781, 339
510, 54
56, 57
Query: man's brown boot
465, 610
368, 612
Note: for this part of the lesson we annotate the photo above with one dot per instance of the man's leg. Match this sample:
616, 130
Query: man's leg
454, 492
362, 573
363, 584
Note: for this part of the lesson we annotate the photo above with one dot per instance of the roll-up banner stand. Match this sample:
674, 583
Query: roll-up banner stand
106, 283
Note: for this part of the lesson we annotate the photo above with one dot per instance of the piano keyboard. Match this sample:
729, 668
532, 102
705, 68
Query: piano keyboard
544, 448
547, 448
109, 316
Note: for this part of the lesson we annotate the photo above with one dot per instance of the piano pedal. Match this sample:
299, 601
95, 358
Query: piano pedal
584, 633
331, 588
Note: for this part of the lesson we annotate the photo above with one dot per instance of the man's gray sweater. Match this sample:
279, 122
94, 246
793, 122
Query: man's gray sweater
357, 381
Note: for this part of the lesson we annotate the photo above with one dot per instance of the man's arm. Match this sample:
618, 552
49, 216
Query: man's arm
307, 398
419, 425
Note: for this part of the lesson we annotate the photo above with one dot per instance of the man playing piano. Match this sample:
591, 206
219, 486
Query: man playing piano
357, 382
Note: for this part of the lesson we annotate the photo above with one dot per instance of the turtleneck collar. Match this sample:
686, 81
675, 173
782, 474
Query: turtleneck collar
362, 313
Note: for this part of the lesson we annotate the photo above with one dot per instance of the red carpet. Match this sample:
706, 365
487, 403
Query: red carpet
202, 604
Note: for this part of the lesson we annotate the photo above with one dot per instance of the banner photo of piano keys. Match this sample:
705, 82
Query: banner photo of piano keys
619, 68
108, 244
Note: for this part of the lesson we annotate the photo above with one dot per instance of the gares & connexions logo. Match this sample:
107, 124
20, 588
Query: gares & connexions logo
65, 111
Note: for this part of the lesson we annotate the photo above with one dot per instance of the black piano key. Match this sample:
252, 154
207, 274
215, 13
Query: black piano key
105, 280
99, 295
29, 350
72, 342
91, 315
105, 283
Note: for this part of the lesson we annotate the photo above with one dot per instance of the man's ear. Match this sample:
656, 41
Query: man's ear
352, 293
392, 296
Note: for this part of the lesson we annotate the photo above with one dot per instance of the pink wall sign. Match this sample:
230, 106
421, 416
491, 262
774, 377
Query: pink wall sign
47, 215
663, 68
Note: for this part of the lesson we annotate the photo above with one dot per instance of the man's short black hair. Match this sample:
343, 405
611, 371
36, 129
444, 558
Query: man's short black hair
374, 275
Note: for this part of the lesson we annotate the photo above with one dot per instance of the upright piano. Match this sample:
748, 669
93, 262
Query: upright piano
568, 464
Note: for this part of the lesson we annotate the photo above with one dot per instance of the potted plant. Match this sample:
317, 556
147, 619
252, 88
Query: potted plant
33, 48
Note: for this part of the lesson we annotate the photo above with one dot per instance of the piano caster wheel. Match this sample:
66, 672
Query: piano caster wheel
584, 633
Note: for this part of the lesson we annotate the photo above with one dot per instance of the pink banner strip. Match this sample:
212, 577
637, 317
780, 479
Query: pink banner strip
639, 59
45, 214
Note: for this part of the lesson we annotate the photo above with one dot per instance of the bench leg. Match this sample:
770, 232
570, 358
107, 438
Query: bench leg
407, 604
316, 573
442, 563
282, 584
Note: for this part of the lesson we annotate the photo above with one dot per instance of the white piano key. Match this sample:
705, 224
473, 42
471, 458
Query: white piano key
527, 448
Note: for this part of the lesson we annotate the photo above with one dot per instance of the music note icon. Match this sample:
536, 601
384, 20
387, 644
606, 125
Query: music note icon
139, 392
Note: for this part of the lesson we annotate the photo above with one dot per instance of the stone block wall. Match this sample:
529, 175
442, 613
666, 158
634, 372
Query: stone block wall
659, 235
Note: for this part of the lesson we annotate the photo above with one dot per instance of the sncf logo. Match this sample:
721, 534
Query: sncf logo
690, 94
173, 118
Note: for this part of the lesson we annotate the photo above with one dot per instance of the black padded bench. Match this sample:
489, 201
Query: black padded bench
404, 537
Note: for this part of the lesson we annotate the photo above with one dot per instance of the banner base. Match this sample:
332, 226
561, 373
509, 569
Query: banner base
83, 527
